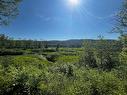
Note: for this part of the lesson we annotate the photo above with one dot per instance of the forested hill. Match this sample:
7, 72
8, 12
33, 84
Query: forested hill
79, 42
66, 43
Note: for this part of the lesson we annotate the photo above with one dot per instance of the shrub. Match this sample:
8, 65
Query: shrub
123, 56
52, 57
10, 52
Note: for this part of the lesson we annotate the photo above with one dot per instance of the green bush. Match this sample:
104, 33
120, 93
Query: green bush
52, 57
4, 52
34, 75
93, 82
123, 56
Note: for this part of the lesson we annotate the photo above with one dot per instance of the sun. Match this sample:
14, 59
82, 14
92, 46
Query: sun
74, 2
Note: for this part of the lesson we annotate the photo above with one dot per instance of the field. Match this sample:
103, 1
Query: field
56, 71
31, 69
94, 67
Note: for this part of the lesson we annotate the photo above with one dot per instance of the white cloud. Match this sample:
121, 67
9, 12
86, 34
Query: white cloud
48, 18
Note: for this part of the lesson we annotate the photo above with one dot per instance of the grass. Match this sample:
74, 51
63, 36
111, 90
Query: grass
29, 60
68, 59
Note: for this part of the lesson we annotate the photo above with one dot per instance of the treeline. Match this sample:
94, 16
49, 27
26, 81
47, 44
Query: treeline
8, 43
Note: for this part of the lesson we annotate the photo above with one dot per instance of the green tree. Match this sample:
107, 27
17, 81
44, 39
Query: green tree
104, 54
3, 40
100, 55
57, 47
8, 10
88, 58
122, 29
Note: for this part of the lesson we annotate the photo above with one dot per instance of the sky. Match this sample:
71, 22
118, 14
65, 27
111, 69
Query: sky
63, 19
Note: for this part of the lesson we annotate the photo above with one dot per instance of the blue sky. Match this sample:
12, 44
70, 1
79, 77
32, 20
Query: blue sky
59, 20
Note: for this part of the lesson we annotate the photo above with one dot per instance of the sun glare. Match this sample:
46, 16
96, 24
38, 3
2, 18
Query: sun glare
74, 2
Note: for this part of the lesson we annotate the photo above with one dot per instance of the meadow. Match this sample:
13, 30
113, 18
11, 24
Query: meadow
63, 71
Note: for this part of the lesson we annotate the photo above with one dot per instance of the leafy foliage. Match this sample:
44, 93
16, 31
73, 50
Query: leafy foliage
8, 10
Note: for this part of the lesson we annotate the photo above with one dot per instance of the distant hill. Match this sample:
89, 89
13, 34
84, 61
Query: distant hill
77, 42
66, 43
